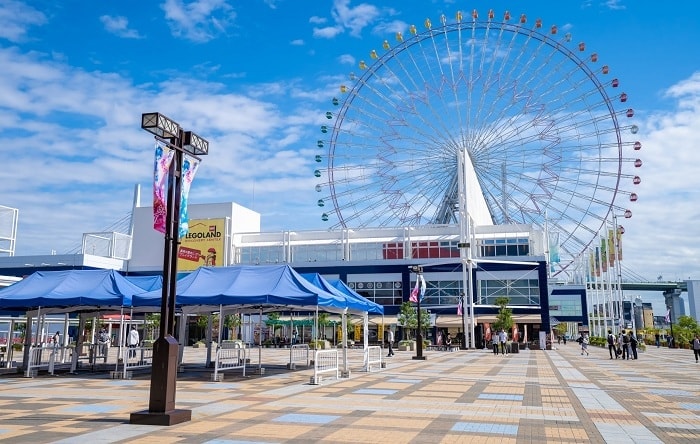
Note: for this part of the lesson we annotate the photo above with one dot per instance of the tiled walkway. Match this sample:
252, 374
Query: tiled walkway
466, 396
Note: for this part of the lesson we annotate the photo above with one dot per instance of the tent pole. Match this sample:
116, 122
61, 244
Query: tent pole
120, 350
346, 372
208, 338
260, 370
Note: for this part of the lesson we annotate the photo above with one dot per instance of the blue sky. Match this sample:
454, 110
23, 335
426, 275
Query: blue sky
256, 77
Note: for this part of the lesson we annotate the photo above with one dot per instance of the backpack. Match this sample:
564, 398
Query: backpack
625, 339
611, 339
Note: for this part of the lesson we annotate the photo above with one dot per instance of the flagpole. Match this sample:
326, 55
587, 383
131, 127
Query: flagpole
419, 336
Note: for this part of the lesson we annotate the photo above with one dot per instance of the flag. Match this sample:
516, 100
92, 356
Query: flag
554, 256
418, 290
161, 167
668, 316
604, 254
414, 292
611, 247
459, 308
189, 169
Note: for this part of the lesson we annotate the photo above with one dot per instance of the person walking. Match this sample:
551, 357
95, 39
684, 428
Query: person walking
611, 344
584, 344
633, 344
133, 341
696, 347
657, 338
503, 338
494, 343
390, 340
622, 344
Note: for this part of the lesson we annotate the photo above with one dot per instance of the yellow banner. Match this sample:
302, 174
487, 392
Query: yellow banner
358, 332
203, 245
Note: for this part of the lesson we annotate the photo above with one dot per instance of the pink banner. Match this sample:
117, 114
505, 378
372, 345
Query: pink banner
161, 167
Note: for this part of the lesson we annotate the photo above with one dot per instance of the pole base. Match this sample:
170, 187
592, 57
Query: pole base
419, 358
169, 418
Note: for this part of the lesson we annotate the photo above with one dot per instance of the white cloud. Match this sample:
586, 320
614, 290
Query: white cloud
346, 59
67, 179
354, 19
615, 4
328, 32
297, 42
199, 20
663, 236
16, 18
119, 26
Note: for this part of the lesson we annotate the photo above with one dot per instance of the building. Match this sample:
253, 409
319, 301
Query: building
507, 260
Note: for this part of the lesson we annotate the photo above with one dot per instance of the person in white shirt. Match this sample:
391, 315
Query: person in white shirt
133, 341
390, 340
503, 338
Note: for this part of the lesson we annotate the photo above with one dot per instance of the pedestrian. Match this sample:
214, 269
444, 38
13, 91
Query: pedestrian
623, 342
56, 339
657, 338
503, 338
133, 341
611, 344
494, 342
633, 344
390, 340
103, 340
448, 341
696, 347
584, 344
564, 339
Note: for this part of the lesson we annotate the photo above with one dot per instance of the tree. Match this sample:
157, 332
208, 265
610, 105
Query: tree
504, 319
152, 323
232, 321
686, 328
408, 318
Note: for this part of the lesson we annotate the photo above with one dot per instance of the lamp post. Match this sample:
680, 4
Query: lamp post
161, 407
419, 335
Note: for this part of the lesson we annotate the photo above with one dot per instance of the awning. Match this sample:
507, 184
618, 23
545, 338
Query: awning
520, 319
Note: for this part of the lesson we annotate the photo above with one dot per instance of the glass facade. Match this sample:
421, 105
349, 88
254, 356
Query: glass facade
519, 291
565, 305
382, 292
504, 247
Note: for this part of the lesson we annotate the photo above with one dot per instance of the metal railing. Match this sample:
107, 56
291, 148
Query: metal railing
373, 357
229, 359
136, 358
298, 353
46, 358
325, 361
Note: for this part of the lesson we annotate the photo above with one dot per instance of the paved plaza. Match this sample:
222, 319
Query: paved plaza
451, 397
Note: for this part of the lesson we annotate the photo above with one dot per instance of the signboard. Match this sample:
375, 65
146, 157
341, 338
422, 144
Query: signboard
203, 245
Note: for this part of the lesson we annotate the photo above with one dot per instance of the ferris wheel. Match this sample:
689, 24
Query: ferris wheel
542, 125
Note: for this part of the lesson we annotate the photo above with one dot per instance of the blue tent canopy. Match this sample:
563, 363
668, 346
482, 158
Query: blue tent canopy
248, 285
147, 283
69, 288
355, 301
372, 307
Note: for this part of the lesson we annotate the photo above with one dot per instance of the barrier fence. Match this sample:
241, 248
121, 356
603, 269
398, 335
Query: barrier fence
136, 358
373, 357
46, 358
325, 361
229, 359
298, 353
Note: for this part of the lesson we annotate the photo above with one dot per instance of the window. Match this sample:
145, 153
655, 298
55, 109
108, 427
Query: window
519, 291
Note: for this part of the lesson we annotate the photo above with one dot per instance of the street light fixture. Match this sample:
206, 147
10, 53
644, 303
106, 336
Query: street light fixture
161, 407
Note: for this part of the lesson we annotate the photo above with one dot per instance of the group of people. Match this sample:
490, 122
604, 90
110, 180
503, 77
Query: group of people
499, 342
623, 346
